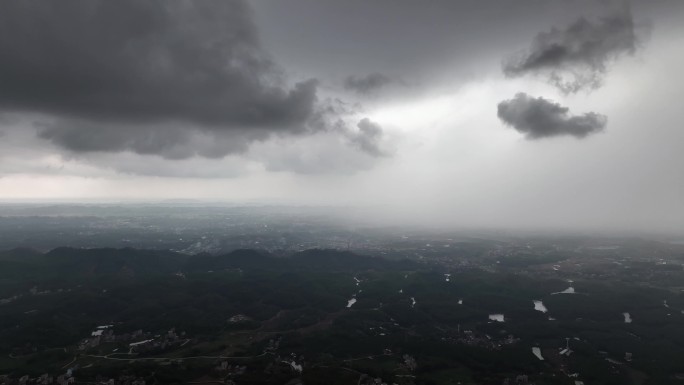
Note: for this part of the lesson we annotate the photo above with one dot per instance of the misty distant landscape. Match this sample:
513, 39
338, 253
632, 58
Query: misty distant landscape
265, 294
341, 192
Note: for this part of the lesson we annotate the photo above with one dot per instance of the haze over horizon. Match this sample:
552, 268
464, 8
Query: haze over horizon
529, 114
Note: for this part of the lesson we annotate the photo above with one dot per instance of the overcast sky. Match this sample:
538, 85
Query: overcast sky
529, 113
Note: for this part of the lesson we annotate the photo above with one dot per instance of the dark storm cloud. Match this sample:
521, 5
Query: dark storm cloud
541, 118
114, 74
169, 140
577, 57
367, 84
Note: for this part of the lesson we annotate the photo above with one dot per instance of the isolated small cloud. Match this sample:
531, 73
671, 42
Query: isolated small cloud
367, 84
368, 138
539, 118
576, 58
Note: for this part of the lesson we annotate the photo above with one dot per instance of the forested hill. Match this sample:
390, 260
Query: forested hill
136, 262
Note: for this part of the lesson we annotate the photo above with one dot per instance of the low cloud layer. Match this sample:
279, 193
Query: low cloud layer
171, 78
539, 118
576, 58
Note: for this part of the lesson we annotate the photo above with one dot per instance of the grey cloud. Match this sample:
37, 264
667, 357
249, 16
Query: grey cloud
170, 141
541, 118
358, 148
134, 164
322, 153
577, 57
367, 84
147, 76
368, 137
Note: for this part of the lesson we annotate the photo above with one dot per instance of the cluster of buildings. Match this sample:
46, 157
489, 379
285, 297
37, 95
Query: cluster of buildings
33, 291
7, 300
145, 340
228, 370
159, 342
472, 338
368, 380
121, 380
293, 363
238, 319
44, 379
520, 379
105, 333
